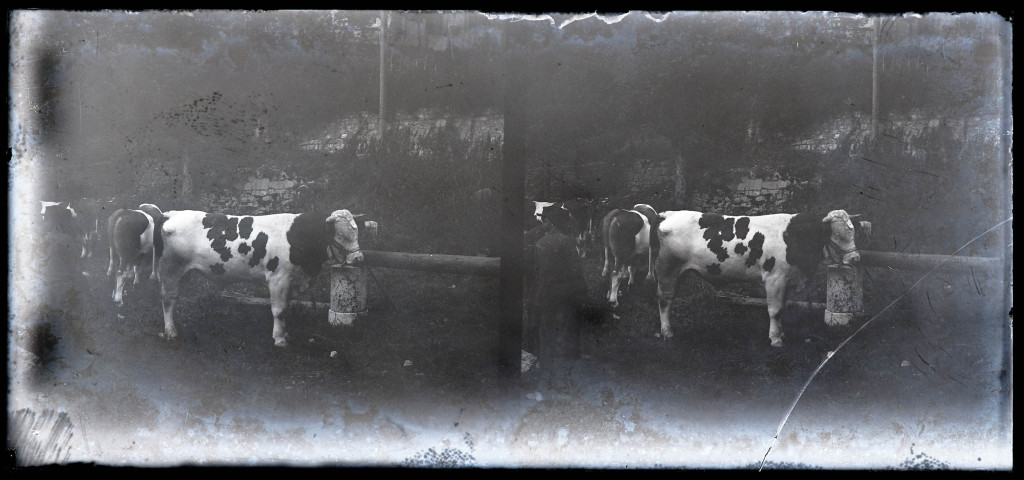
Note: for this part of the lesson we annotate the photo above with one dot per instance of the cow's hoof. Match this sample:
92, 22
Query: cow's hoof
281, 342
777, 343
666, 334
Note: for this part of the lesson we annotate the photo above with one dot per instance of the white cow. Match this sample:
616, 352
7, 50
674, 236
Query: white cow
285, 250
770, 249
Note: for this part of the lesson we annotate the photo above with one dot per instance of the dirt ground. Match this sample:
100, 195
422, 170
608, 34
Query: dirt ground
415, 382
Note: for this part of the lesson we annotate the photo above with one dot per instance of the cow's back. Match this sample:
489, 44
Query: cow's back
724, 246
232, 247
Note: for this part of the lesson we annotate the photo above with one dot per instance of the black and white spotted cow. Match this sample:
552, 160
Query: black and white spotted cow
626, 235
285, 250
131, 234
775, 250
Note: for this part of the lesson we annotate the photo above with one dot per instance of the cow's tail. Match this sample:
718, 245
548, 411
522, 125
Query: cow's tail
654, 244
158, 236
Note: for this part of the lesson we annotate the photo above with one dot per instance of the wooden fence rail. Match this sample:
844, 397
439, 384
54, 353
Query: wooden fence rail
919, 262
428, 262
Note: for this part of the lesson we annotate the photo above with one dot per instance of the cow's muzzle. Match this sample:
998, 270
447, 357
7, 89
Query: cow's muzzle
843, 256
341, 255
356, 258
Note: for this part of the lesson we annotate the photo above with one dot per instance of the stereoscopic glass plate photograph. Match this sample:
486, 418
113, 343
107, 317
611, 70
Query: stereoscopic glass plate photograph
469, 239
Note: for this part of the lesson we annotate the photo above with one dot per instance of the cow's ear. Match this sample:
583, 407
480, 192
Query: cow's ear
864, 230
826, 225
855, 216
358, 215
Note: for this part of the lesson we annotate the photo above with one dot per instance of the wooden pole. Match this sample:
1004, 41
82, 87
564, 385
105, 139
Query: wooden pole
264, 301
763, 302
510, 329
923, 262
456, 264
874, 78
381, 122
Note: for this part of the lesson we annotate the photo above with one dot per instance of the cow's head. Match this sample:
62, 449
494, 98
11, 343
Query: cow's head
60, 208
840, 247
344, 244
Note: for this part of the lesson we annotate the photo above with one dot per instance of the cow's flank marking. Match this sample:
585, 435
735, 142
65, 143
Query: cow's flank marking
272, 264
717, 231
756, 249
244, 248
804, 241
245, 227
742, 227
769, 264
259, 249
740, 249
714, 269
222, 230
217, 268
308, 245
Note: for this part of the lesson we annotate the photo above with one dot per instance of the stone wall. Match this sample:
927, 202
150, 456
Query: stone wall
749, 194
650, 176
255, 195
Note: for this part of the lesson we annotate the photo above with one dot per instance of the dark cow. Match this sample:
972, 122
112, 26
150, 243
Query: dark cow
60, 217
774, 250
79, 219
626, 235
131, 234
285, 250
63, 233
581, 213
89, 214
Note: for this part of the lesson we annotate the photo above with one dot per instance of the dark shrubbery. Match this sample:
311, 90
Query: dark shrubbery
418, 187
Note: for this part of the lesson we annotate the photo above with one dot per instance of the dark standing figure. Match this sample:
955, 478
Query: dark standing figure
559, 291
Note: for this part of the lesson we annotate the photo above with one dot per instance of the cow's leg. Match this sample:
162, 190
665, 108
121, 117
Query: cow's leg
169, 295
615, 281
607, 259
278, 304
120, 278
113, 255
119, 287
668, 275
135, 272
650, 264
155, 274
775, 290
110, 241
